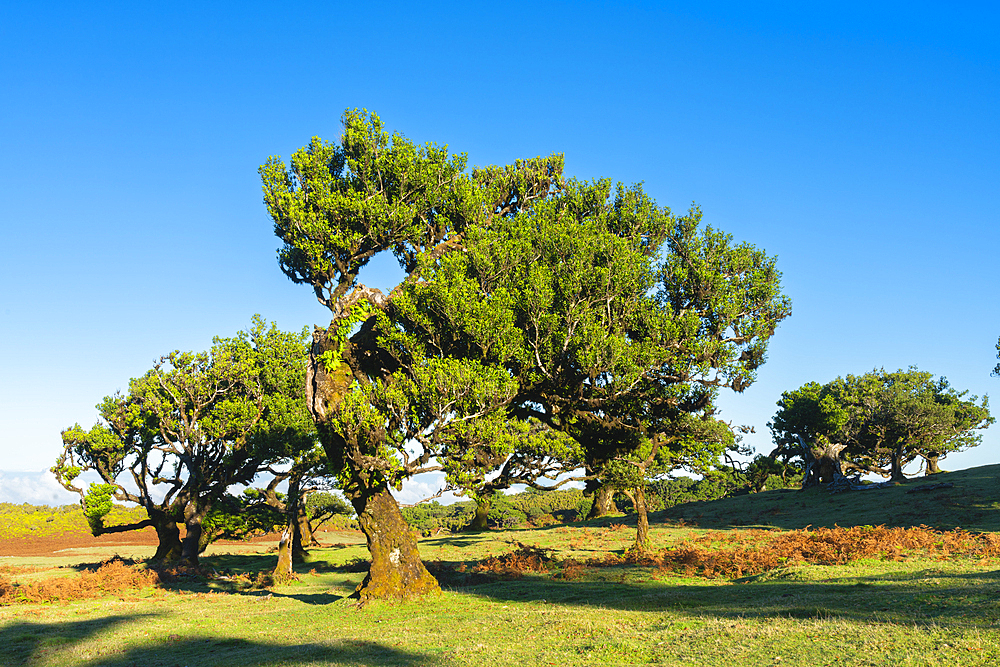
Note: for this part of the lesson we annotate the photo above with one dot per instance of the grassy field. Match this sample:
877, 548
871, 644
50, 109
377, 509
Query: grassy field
584, 606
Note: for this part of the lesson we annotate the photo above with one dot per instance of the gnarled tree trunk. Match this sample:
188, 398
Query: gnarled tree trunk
642, 546
283, 570
192, 544
896, 464
822, 463
396, 570
301, 536
168, 535
604, 502
482, 515
932, 468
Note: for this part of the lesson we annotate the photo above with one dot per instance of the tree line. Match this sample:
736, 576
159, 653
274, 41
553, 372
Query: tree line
547, 330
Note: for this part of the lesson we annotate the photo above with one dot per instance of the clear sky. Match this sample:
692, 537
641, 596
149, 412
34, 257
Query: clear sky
858, 142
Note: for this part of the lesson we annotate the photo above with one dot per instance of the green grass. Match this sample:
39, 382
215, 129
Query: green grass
871, 612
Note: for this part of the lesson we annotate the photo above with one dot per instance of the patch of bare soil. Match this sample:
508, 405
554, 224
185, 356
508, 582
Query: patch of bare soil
46, 546
49, 545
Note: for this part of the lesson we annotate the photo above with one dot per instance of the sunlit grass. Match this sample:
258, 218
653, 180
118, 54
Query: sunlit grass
886, 608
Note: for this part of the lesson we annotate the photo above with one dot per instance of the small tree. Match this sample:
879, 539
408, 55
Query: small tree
190, 428
307, 474
690, 441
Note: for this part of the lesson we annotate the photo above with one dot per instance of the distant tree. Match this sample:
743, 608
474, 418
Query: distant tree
306, 474
321, 506
189, 429
523, 452
996, 370
880, 422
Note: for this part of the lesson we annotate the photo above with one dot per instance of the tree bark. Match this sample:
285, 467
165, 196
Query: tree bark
301, 536
295, 515
642, 546
169, 536
932, 463
481, 517
822, 463
283, 570
604, 502
396, 570
191, 546
896, 462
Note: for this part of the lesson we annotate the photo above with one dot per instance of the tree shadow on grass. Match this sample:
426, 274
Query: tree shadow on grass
309, 598
26, 643
924, 597
460, 540
222, 652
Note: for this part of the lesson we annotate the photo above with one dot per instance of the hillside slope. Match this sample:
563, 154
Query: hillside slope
972, 503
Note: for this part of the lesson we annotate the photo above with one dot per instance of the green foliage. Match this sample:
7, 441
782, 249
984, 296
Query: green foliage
996, 370
97, 504
886, 420
670, 492
766, 473
322, 503
345, 326
504, 514
545, 323
429, 517
193, 426
563, 505
515, 510
239, 518
20, 521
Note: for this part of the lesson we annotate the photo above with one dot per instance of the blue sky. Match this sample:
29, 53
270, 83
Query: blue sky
860, 143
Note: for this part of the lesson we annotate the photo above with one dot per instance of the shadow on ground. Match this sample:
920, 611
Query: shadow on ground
924, 596
28, 643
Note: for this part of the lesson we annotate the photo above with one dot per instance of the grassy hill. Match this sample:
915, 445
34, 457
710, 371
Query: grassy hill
972, 503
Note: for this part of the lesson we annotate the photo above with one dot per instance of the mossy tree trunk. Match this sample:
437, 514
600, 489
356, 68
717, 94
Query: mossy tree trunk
194, 534
283, 570
296, 516
480, 520
823, 463
932, 467
302, 535
643, 545
168, 535
604, 502
396, 569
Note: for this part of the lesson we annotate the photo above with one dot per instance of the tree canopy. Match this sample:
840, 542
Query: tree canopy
194, 425
543, 323
883, 421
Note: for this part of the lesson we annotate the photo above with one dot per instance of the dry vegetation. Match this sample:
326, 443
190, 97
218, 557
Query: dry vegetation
109, 578
735, 554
